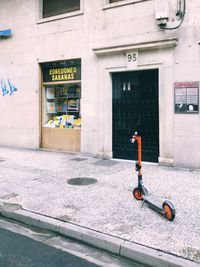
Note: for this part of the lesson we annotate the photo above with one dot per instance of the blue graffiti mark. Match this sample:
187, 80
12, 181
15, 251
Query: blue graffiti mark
8, 85
12, 87
3, 88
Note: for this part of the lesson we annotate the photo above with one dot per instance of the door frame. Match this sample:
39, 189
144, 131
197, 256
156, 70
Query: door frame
107, 152
158, 101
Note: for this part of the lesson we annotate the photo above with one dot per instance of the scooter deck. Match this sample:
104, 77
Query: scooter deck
153, 202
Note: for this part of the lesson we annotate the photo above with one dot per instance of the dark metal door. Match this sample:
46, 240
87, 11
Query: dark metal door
135, 108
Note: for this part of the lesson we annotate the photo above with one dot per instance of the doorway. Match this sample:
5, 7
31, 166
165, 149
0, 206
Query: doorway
135, 107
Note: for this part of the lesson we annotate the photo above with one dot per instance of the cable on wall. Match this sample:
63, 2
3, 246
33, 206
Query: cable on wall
180, 13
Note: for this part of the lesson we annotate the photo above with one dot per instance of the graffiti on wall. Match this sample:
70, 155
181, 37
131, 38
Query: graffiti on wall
7, 88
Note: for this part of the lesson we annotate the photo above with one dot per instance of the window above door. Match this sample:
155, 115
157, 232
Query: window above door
59, 7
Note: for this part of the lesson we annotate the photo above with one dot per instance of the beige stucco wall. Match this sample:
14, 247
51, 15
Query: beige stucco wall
97, 27
187, 68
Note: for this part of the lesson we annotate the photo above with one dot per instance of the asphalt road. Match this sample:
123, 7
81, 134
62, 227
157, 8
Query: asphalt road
23, 246
20, 251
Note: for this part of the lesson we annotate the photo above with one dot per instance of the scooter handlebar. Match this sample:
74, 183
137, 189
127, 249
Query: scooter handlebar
133, 139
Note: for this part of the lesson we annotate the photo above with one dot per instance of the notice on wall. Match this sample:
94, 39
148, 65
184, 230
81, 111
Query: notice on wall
186, 97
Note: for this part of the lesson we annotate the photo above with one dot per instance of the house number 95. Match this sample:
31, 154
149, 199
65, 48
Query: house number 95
132, 57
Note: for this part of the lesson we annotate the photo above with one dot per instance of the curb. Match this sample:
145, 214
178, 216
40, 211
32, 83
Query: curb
108, 243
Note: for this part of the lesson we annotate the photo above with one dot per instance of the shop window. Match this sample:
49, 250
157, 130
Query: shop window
59, 7
63, 105
62, 95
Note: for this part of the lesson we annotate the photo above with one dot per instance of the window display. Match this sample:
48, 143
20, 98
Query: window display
63, 105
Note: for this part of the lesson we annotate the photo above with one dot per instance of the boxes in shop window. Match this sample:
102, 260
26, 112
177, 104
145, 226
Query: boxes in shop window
50, 124
64, 108
73, 105
62, 126
64, 119
61, 106
78, 92
63, 92
51, 107
70, 119
50, 93
57, 121
77, 123
74, 92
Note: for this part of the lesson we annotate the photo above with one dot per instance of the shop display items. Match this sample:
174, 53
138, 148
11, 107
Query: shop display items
63, 106
64, 121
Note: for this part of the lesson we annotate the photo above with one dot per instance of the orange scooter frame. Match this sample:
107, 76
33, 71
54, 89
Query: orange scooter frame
140, 192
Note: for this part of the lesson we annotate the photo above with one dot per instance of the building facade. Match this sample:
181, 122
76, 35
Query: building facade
85, 75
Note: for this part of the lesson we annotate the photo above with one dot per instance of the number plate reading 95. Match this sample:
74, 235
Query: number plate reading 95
132, 60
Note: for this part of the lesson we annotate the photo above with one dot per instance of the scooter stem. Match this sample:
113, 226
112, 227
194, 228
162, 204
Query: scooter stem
139, 142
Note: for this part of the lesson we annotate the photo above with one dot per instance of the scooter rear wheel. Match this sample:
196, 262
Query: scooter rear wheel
137, 194
169, 210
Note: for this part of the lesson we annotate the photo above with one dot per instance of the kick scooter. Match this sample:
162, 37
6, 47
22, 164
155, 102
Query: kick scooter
141, 193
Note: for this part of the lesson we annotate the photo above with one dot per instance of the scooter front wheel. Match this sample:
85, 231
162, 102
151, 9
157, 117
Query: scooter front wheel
169, 210
137, 194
